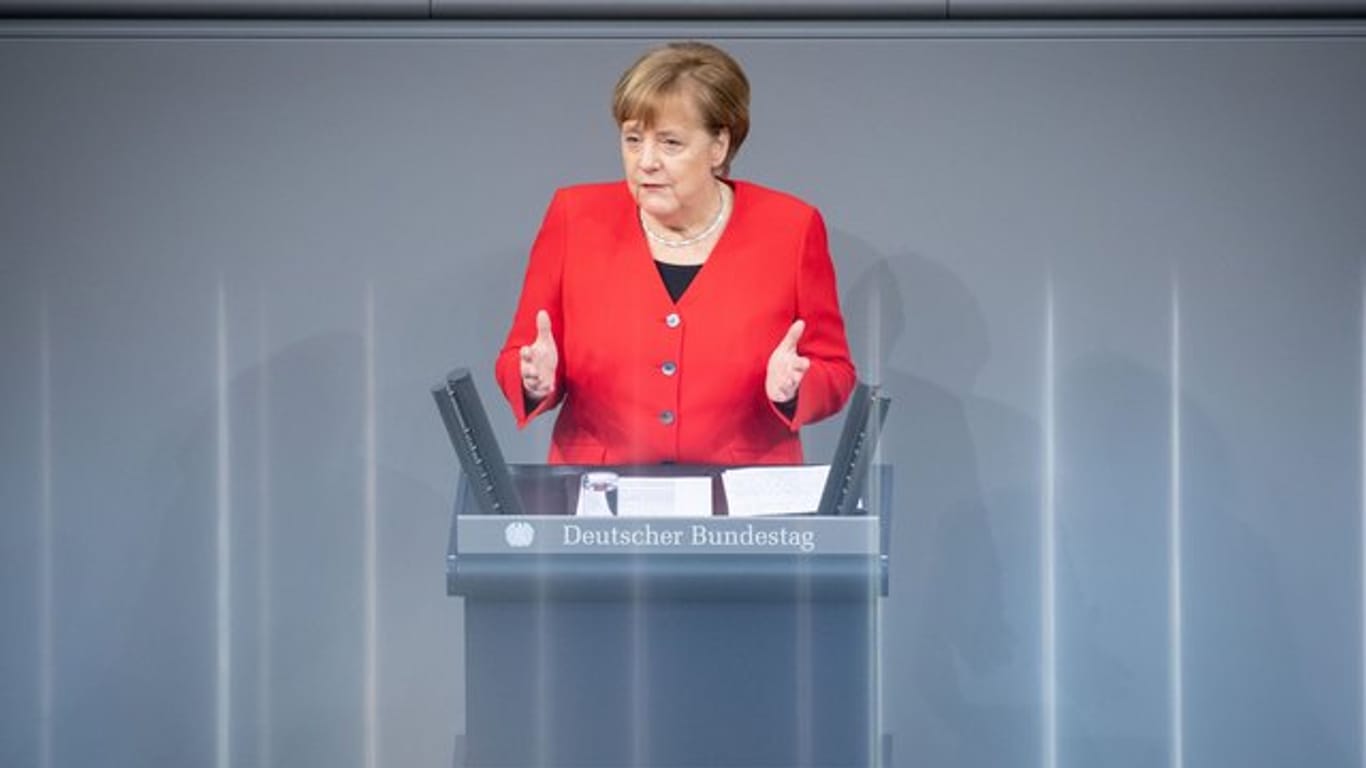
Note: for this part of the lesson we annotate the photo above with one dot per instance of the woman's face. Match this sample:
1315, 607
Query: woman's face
670, 166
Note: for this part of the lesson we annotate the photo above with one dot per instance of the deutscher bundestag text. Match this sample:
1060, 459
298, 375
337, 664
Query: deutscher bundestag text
695, 535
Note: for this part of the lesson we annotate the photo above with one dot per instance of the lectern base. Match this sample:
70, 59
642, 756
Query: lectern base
671, 684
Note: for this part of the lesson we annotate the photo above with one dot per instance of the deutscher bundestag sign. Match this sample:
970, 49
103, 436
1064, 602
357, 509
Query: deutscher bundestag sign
532, 534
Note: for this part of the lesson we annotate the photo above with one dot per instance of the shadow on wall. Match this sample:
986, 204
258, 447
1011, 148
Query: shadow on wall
962, 670
1245, 700
313, 400
298, 450
156, 702
958, 682
1114, 701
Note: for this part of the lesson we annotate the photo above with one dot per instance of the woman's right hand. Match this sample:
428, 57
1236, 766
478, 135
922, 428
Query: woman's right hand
539, 360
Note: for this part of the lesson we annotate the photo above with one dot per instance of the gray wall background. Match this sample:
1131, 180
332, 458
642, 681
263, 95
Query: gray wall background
1111, 274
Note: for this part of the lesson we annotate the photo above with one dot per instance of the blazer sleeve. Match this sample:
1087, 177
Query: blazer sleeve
830, 378
541, 289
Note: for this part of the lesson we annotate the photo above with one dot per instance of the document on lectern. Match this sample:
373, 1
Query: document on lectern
756, 491
648, 497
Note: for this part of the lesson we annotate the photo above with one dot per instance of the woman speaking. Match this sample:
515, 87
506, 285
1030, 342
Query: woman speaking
678, 315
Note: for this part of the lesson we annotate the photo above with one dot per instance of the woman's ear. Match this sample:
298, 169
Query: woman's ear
720, 148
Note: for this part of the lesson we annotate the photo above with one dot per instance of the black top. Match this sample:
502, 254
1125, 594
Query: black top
677, 277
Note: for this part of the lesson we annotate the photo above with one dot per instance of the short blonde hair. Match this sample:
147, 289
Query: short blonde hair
716, 83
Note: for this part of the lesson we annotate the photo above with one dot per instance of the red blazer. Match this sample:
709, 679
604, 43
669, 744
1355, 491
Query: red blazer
644, 380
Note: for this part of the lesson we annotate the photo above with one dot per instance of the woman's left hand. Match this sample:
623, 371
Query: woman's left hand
785, 367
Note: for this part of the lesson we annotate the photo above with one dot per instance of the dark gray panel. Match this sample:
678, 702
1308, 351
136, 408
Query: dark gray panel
646, 30
474, 9
1152, 9
228, 9
694, 9
714, 10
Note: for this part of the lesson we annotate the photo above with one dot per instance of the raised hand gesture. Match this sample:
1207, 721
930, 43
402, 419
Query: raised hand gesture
785, 367
539, 360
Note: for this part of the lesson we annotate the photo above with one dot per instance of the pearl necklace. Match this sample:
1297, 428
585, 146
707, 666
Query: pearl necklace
695, 239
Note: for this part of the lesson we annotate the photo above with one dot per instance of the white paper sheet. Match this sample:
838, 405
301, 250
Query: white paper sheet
755, 491
664, 497
655, 497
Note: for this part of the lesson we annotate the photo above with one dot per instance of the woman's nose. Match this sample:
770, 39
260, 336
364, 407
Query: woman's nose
649, 159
